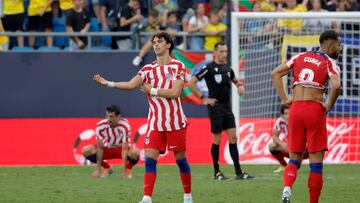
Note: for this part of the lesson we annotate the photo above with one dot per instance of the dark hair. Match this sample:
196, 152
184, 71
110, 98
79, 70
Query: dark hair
282, 109
328, 35
154, 13
113, 108
217, 44
172, 13
167, 37
139, 1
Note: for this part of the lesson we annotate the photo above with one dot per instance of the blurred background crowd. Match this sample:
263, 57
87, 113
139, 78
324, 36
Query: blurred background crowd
203, 20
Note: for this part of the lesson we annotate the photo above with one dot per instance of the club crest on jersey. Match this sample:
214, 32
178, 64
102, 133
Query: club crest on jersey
216, 69
147, 140
218, 78
169, 76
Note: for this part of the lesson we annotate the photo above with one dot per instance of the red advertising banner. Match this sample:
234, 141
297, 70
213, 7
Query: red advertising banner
59, 141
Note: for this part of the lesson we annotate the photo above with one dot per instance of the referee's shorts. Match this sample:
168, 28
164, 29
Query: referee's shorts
221, 117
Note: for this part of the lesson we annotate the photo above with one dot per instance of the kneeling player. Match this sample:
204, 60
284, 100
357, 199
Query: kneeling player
113, 142
279, 148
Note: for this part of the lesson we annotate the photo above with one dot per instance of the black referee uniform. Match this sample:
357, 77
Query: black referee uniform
218, 80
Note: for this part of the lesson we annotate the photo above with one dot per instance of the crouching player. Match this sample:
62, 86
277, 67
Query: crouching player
113, 142
279, 147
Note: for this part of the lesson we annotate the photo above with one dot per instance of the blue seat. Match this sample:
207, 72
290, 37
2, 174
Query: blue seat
59, 26
49, 49
21, 49
94, 25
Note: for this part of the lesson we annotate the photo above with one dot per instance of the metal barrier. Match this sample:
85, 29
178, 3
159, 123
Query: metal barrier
91, 35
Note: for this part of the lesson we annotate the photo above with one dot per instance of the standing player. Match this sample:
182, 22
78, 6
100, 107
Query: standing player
113, 139
307, 119
163, 81
279, 148
218, 76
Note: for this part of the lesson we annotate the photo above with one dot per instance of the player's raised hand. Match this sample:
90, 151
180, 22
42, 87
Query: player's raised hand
209, 101
100, 80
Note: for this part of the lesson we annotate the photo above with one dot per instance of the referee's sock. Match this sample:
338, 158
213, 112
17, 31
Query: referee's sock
315, 181
149, 176
185, 174
235, 157
215, 156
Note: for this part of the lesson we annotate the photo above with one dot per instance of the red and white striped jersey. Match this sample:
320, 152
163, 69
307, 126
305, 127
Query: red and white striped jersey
113, 137
164, 114
312, 69
281, 125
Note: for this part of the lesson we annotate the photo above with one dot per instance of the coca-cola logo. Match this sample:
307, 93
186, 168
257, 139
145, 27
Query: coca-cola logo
253, 142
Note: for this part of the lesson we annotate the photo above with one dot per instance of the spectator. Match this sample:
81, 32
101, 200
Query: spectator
183, 7
4, 40
96, 7
152, 24
332, 5
293, 25
40, 17
317, 25
266, 6
130, 14
78, 20
164, 7
172, 26
198, 23
213, 32
66, 7
348, 5
186, 18
14, 14
110, 15
216, 5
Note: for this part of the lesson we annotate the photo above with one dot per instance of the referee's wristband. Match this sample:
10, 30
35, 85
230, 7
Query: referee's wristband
153, 91
111, 84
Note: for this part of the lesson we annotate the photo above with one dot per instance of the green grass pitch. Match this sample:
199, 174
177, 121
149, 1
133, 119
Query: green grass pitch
75, 184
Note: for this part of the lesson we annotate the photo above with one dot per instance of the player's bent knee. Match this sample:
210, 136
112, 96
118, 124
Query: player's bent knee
88, 150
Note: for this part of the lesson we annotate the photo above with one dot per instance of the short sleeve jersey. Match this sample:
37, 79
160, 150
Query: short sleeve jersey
312, 69
164, 114
218, 80
113, 136
281, 125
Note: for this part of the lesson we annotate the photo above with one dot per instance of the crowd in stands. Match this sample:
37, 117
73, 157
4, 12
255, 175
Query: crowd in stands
205, 19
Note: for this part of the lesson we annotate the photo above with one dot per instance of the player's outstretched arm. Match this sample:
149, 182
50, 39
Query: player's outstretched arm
171, 93
334, 92
277, 75
133, 83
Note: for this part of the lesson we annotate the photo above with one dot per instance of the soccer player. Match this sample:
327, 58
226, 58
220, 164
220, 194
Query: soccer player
307, 116
113, 142
218, 76
279, 148
163, 82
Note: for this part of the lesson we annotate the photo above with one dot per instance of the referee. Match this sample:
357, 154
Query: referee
218, 76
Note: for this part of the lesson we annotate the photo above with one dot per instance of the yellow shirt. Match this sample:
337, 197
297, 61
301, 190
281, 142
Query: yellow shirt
210, 41
66, 4
292, 23
3, 39
35, 7
12, 7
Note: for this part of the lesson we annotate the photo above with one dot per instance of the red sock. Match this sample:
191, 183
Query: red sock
315, 183
280, 158
149, 182
104, 164
290, 174
129, 165
186, 182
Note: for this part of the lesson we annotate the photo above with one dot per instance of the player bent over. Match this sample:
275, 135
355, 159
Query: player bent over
307, 116
113, 142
